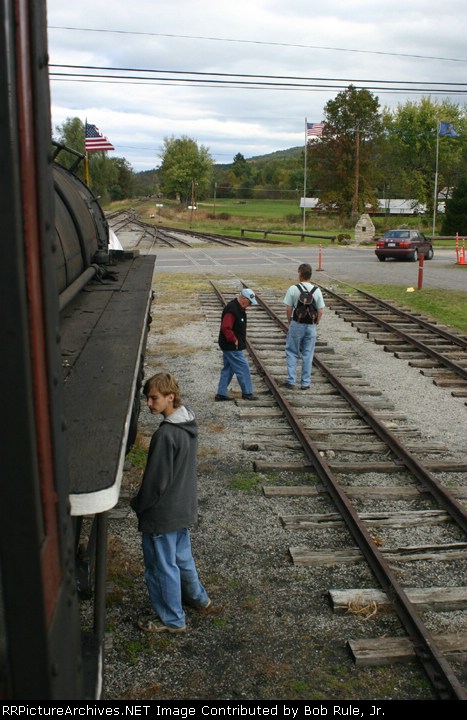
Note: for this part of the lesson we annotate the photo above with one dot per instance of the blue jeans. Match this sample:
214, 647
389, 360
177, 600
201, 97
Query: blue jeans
301, 340
171, 575
235, 364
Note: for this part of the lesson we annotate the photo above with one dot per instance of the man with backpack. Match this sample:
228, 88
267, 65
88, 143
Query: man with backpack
305, 307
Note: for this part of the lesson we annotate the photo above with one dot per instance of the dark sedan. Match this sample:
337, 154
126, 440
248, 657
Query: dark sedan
405, 244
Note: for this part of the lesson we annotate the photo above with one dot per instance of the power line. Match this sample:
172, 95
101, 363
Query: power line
246, 81
246, 75
256, 42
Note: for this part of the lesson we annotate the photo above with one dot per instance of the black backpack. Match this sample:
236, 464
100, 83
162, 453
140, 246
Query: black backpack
306, 310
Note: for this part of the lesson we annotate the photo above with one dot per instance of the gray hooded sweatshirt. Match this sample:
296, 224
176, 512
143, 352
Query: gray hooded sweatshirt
167, 498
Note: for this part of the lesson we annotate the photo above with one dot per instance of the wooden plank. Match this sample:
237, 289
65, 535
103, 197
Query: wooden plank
263, 432
458, 383
272, 410
406, 355
382, 339
291, 491
398, 519
323, 432
439, 599
317, 558
255, 445
427, 363
385, 651
373, 446
305, 556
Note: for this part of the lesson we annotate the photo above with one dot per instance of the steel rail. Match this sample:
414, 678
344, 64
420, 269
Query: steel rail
442, 495
435, 665
221, 239
169, 235
455, 339
434, 354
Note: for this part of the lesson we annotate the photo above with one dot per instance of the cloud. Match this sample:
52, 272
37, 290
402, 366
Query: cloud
354, 41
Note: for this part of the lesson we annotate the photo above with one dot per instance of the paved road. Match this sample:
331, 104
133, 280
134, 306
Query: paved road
348, 264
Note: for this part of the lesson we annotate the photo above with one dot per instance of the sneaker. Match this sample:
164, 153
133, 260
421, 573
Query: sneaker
289, 386
153, 625
198, 607
305, 387
203, 608
223, 398
249, 397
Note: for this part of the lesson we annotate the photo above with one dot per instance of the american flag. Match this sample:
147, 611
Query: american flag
314, 129
95, 140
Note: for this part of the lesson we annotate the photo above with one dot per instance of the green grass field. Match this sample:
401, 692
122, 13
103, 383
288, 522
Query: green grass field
229, 216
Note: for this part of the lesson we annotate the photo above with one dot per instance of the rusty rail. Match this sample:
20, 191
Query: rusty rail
435, 665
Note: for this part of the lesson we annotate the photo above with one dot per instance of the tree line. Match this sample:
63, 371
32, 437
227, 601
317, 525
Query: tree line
365, 152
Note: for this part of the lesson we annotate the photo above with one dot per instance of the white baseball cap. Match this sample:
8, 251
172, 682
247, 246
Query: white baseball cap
249, 294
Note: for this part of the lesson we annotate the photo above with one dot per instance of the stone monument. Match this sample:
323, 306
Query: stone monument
364, 230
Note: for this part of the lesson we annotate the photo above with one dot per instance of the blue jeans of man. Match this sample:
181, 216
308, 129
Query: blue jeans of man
235, 363
171, 575
301, 340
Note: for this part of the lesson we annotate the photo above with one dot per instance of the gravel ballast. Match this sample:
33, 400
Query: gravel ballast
270, 633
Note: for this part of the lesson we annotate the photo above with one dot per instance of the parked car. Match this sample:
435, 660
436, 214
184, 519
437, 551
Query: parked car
405, 244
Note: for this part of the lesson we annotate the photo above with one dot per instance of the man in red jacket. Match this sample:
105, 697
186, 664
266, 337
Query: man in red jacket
232, 342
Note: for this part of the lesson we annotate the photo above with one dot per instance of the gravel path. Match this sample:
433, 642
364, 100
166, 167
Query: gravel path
270, 633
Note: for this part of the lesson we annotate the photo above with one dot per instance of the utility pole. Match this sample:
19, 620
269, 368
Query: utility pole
435, 199
192, 201
357, 171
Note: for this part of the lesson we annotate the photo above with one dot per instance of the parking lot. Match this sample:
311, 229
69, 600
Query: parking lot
348, 264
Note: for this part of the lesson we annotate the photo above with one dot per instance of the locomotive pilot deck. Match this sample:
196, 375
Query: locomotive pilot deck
103, 332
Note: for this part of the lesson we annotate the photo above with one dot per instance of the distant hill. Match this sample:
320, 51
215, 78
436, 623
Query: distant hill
294, 152
146, 177
146, 182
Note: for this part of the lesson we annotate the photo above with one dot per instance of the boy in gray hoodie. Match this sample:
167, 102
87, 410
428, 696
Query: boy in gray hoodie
166, 505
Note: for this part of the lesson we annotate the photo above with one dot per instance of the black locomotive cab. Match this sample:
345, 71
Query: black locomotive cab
74, 317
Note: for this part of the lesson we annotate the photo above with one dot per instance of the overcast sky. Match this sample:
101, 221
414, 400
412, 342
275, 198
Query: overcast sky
336, 42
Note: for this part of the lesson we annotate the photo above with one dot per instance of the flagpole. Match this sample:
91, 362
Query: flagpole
304, 180
435, 203
86, 168
86, 162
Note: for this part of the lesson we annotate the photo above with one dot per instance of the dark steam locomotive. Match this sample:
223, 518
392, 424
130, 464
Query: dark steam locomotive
74, 321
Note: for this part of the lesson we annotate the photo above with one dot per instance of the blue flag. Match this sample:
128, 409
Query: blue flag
446, 129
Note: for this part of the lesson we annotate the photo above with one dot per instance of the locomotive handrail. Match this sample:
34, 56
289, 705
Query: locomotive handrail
72, 290
59, 147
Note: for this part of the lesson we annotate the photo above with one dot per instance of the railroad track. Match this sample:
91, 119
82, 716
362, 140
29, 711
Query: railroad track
147, 235
156, 235
343, 432
435, 350
209, 238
